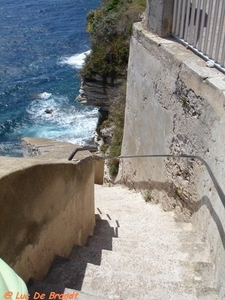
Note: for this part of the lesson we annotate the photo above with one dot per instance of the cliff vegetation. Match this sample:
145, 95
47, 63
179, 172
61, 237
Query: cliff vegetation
110, 28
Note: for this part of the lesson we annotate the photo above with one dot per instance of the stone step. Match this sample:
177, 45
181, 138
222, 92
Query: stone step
72, 273
118, 219
164, 268
119, 202
167, 235
187, 245
66, 272
184, 251
105, 227
126, 280
206, 294
36, 289
124, 285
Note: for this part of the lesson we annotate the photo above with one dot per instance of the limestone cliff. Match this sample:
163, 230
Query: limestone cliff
97, 92
103, 76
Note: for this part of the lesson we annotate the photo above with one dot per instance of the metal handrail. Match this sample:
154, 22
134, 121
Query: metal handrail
91, 149
212, 176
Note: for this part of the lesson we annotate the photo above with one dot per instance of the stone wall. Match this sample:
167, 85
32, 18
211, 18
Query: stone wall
47, 206
174, 105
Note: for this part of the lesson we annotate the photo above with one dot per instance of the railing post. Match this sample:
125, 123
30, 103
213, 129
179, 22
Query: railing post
159, 17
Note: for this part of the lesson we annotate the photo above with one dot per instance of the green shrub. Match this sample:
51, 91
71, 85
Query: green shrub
117, 111
110, 27
113, 4
113, 166
148, 196
104, 148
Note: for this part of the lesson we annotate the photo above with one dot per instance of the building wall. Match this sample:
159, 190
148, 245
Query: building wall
175, 104
47, 206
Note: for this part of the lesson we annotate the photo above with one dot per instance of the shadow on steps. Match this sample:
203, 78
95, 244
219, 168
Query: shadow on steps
69, 272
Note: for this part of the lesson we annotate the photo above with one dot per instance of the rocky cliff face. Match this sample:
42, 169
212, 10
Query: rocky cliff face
98, 92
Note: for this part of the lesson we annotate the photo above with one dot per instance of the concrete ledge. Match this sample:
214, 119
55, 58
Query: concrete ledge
50, 149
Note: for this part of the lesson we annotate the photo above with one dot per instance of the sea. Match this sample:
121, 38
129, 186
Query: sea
43, 45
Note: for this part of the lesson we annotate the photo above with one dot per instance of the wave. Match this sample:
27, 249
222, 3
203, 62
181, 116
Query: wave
76, 61
11, 149
45, 95
58, 119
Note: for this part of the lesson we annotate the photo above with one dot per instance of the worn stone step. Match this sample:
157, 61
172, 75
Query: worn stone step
112, 218
206, 294
105, 228
91, 255
119, 219
72, 273
95, 254
128, 205
160, 268
193, 251
144, 225
69, 273
166, 235
48, 290
124, 285
184, 251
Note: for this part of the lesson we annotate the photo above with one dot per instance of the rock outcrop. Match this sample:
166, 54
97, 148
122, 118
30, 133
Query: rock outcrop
97, 91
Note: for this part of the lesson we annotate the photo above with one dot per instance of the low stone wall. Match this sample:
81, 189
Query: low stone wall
47, 148
47, 206
175, 104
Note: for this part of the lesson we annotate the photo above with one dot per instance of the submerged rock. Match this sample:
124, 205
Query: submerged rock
49, 111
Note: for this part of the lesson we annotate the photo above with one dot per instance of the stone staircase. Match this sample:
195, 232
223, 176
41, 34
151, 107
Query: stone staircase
137, 251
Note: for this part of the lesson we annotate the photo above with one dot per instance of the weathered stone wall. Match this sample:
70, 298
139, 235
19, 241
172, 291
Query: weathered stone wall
47, 206
175, 104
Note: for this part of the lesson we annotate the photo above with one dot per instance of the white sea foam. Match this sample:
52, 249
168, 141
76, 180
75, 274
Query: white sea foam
76, 61
66, 122
45, 95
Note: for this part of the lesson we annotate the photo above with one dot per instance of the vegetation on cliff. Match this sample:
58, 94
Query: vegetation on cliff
110, 28
115, 121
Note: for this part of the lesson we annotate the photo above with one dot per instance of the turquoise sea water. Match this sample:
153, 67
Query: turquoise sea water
42, 48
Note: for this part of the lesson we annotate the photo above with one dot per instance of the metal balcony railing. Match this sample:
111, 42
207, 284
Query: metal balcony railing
199, 24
